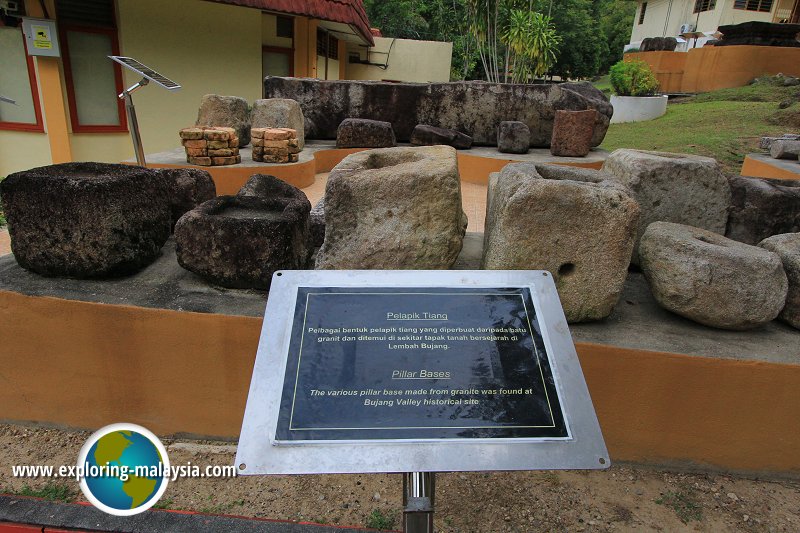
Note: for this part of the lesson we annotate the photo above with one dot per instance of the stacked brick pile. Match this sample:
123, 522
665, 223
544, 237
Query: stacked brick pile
275, 145
207, 146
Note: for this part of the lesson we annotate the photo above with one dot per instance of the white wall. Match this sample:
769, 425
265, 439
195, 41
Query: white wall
680, 12
409, 60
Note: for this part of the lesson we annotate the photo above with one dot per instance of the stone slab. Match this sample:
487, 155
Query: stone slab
475, 108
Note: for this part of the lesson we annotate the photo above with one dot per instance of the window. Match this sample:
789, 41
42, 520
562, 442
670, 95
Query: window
753, 5
88, 33
277, 61
322, 42
704, 5
285, 27
327, 45
333, 48
18, 82
642, 12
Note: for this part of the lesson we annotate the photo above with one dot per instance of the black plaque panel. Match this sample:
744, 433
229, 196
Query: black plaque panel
427, 363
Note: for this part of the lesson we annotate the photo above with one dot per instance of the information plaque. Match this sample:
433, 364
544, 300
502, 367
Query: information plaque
395, 371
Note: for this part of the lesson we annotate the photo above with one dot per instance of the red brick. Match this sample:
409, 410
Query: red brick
276, 144
191, 133
276, 134
223, 152
201, 161
217, 135
283, 152
195, 143
222, 161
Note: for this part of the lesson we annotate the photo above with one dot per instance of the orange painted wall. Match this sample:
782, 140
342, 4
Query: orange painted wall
229, 179
671, 408
718, 67
476, 169
668, 67
85, 365
763, 169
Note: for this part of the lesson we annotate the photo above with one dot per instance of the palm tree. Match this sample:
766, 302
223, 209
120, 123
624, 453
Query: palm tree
528, 38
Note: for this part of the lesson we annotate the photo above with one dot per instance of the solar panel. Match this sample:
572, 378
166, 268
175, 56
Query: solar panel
147, 72
7, 100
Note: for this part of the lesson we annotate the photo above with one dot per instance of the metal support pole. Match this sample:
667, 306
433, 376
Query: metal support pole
133, 124
418, 501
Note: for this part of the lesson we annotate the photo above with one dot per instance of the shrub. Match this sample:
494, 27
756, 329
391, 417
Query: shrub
633, 78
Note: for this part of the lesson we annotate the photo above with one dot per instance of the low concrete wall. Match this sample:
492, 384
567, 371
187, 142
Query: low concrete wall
718, 67
763, 166
81, 364
473, 168
638, 108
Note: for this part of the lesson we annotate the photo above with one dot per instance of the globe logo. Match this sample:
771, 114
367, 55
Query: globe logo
124, 467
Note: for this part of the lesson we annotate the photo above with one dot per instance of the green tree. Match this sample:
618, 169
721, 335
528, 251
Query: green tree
616, 21
434, 20
531, 44
511, 37
398, 18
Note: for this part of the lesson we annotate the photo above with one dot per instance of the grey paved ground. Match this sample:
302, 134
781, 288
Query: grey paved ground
73, 516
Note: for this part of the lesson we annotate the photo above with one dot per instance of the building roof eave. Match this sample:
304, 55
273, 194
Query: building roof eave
349, 12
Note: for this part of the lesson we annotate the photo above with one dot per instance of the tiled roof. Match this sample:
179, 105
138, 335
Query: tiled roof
345, 11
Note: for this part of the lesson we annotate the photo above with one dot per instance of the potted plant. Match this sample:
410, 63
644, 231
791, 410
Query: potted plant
635, 86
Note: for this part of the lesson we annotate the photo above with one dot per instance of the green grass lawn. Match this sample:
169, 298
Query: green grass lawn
725, 124
603, 84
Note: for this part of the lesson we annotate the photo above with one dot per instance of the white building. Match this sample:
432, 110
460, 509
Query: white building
672, 18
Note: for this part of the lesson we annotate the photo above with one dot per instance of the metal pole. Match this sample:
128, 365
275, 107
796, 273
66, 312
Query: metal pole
418, 501
133, 124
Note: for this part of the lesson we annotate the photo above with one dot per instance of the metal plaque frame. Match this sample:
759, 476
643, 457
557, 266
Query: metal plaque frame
259, 453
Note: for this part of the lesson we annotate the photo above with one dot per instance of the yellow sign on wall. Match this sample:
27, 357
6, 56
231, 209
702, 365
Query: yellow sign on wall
41, 37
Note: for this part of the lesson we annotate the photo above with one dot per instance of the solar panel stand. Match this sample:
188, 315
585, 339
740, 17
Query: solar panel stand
133, 123
147, 75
